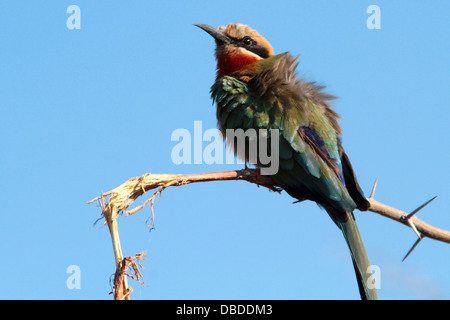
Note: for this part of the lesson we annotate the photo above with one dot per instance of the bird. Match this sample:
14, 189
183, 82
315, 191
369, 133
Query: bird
257, 89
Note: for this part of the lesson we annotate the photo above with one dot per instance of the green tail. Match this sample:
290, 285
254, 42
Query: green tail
360, 259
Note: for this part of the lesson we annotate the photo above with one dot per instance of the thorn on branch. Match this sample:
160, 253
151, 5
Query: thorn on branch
413, 247
372, 194
411, 215
420, 208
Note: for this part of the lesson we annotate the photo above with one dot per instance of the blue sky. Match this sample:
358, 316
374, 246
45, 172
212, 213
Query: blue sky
85, 110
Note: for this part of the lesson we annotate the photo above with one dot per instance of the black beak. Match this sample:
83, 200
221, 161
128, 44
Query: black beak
216, 34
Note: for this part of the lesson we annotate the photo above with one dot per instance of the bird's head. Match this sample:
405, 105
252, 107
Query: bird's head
238, 49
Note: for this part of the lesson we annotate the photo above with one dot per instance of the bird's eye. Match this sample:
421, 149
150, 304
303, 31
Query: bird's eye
247, 41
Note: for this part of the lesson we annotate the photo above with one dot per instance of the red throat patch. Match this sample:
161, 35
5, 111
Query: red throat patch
229, 63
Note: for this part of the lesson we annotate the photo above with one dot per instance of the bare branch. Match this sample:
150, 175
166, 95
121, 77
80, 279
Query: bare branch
124, 195
400, 216
120, 290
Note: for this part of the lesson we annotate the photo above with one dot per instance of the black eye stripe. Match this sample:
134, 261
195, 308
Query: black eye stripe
259, 50
254, 47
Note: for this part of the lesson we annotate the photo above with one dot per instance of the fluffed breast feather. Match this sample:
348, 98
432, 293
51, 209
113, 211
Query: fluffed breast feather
279, 80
